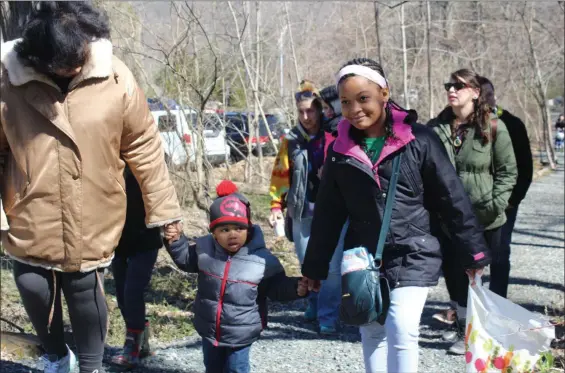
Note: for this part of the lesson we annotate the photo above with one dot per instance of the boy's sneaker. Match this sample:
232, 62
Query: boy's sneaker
311, 314
328, 330
65, 364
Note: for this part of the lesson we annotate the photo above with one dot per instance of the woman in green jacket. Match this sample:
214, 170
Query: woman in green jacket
480, 149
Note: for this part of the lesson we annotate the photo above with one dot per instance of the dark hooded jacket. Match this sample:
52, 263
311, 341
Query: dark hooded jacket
353, 188
136, 237
230, 306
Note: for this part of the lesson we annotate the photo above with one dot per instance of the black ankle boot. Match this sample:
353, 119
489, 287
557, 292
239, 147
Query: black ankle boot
458, 348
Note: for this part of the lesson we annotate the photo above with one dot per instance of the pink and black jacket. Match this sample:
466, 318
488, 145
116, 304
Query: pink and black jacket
230, 308
352, 187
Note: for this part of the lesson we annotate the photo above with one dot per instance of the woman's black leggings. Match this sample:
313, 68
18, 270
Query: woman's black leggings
456, 280
40, 290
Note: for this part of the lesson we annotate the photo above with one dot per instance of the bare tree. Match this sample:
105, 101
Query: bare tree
379, 54
404, 59
434, 38
289, 26
429, 55
257, 74
540, 86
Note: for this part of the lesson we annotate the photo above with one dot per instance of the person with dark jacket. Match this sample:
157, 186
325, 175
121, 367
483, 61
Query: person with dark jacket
332, 114
560, 132
354, 186
500, 266
560, 123
236, 275
132, 268
294, 185
332, 108
480, 150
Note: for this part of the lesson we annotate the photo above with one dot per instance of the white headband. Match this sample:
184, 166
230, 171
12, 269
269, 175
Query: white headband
363, 71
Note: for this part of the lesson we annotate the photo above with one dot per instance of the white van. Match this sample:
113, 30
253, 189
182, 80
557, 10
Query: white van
177, 129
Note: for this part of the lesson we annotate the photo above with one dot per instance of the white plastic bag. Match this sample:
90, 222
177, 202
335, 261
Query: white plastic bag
501, 336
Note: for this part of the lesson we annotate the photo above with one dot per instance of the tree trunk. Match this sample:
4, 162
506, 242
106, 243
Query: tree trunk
404, 59
281, 63
429, 54
379, 54
363, 34
541, 93
252, 83
199, 159
298, 77
257, 73
481, 39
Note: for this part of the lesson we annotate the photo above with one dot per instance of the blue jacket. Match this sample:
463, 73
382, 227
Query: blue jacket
230, 308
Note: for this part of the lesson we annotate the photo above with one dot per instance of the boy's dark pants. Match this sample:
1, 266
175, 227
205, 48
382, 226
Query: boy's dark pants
225, 359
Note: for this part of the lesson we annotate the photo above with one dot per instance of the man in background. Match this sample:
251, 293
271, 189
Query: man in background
500, 266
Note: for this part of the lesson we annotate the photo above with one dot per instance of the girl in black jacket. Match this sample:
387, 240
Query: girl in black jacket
354, 186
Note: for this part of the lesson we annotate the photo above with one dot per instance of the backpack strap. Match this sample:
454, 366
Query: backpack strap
493, 129
388, 208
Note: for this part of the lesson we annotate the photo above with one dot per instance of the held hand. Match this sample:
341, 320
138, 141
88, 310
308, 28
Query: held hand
302, 289
172, 232
275, 215
472, 273
313, 285
320, 173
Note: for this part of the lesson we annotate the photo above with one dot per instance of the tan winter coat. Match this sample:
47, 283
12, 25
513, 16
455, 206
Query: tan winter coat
61, 178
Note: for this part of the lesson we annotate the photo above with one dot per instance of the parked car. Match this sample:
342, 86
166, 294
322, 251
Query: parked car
177, 127
237, 132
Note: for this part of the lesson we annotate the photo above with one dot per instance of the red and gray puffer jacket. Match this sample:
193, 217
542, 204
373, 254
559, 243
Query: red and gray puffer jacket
230, 308
354, 188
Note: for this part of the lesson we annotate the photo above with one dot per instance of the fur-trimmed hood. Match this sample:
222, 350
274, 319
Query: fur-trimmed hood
98, 65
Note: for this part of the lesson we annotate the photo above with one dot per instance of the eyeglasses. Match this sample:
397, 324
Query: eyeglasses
304, 94
456, 85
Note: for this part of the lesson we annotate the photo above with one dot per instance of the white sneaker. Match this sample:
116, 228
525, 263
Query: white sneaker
66, 364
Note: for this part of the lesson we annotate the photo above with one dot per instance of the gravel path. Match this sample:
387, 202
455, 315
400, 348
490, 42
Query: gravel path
292, 345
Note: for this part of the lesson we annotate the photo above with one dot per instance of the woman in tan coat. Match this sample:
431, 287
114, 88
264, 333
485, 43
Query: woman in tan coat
70, 111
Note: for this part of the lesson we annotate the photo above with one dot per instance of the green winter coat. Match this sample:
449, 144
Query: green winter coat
488, 172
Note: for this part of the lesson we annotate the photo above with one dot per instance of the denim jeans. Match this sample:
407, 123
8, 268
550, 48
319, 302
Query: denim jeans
500, 266
225, 359
327, 300
132, 275
395, 344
